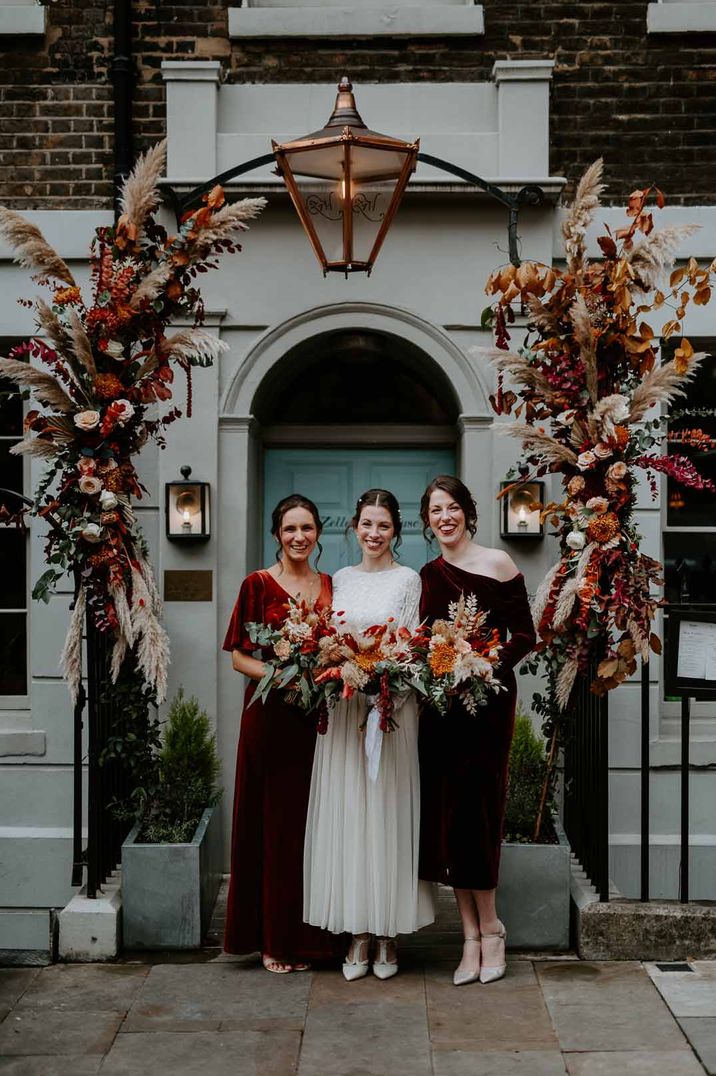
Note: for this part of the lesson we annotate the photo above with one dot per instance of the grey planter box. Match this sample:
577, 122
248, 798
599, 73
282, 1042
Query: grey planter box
533, 894
169, 890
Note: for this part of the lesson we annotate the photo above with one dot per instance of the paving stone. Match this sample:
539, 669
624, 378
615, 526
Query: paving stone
508, 1015
701, 1033
607, 1006
50, 1066
687, 993
13, 984
230, 1053
85, 988
634, 1063
57, 1033
206, 997
366, 1028
472, 1062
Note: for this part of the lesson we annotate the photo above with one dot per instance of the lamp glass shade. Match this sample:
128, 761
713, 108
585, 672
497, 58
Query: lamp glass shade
521, 510
188, 516
346, 183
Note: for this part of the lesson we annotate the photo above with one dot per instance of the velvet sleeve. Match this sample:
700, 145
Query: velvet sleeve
517, 618
249, 607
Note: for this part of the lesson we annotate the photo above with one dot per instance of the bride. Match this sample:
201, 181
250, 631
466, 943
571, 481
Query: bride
362, 831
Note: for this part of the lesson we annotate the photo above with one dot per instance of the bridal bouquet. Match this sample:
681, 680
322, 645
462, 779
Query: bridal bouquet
459, 657
379, 662
295, 645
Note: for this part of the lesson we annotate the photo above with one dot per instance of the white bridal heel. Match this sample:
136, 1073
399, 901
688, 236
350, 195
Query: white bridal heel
356, 969
382, 967
491, 975
462, 978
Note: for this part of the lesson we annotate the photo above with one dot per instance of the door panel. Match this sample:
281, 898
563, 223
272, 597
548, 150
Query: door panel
335, 478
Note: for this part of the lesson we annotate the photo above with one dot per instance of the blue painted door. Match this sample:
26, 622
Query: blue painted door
335, 478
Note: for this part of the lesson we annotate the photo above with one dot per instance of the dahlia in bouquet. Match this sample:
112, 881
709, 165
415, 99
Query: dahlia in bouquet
459, 657
379, 661
295, 647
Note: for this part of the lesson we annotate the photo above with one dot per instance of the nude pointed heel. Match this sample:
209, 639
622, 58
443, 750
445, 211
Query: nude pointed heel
382, 967
357, 969
492, 974
462, 978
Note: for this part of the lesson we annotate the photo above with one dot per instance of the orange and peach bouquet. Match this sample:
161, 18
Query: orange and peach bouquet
459, 657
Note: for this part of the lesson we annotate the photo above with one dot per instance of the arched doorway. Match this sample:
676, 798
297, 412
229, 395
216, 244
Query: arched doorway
351, 409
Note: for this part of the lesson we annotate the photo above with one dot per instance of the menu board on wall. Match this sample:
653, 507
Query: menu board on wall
691, 654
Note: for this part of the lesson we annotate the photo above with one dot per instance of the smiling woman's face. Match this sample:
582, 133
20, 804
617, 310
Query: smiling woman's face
374, 531
446, 519
298, 534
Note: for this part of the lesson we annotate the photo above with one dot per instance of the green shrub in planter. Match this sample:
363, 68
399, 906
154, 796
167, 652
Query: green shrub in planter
188, 770
527, 775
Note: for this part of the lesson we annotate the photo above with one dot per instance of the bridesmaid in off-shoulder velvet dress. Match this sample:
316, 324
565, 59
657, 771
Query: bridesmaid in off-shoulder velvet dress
464, 757
273, 768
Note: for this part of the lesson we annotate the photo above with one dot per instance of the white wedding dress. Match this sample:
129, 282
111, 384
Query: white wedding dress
360, 869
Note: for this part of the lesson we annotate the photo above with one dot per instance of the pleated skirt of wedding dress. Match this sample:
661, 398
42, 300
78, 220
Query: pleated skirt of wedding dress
360, 871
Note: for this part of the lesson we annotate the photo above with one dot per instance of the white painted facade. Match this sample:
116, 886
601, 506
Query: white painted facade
426, 288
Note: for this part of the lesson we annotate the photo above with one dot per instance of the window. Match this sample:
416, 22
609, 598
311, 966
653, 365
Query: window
689, 536
13, 554
676, 17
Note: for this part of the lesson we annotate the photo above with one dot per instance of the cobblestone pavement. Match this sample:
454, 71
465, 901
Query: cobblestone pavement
228, 1017
207, 1014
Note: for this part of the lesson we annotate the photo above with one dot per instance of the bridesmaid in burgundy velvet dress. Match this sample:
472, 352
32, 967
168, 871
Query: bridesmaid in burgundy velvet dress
273, 769
464, 757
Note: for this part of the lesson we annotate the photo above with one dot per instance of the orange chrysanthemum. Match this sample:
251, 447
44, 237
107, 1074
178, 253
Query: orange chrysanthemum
367, 659
603, 528
441, 659
108, 387
621, 436
114, 481
67, 295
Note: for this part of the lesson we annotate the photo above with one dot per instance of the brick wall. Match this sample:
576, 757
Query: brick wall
648, 104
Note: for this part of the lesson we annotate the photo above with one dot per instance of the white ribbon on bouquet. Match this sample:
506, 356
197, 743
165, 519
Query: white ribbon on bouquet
374, 735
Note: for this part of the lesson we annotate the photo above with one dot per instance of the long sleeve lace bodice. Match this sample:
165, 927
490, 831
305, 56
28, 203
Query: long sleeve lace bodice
363, 599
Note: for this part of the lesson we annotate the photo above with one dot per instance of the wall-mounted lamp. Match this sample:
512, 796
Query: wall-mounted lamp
521, 508
187, 509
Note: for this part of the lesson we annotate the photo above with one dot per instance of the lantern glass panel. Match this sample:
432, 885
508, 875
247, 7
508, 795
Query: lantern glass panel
520, 519
188, 509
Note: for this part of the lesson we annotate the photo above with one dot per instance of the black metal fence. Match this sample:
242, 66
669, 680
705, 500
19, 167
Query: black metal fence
586, 788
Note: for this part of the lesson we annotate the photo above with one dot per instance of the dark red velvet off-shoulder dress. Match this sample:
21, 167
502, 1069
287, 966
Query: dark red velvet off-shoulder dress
464, 757
273, 778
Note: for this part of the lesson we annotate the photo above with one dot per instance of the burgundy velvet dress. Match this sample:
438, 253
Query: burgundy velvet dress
273, 779
464, 757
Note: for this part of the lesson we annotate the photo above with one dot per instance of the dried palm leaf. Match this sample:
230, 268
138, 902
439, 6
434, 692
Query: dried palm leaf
650, 258
139, 195
44, 386
231, 218
31, 248
81, 346
580, 215
584, 335
662, 384
551, 450
53, 328
35, 446
71, 657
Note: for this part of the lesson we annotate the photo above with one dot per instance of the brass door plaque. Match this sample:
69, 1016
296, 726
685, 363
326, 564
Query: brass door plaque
188, 586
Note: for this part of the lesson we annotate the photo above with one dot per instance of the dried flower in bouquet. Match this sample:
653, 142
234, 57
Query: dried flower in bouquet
100, 363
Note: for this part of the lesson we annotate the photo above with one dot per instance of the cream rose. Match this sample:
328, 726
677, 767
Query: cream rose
123, 411
86, 465
599, 505
575, 485
89, 484
576, 540
602, 451
617, 470
108, 500
87, 420
92, 533
585, 460
115, 349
